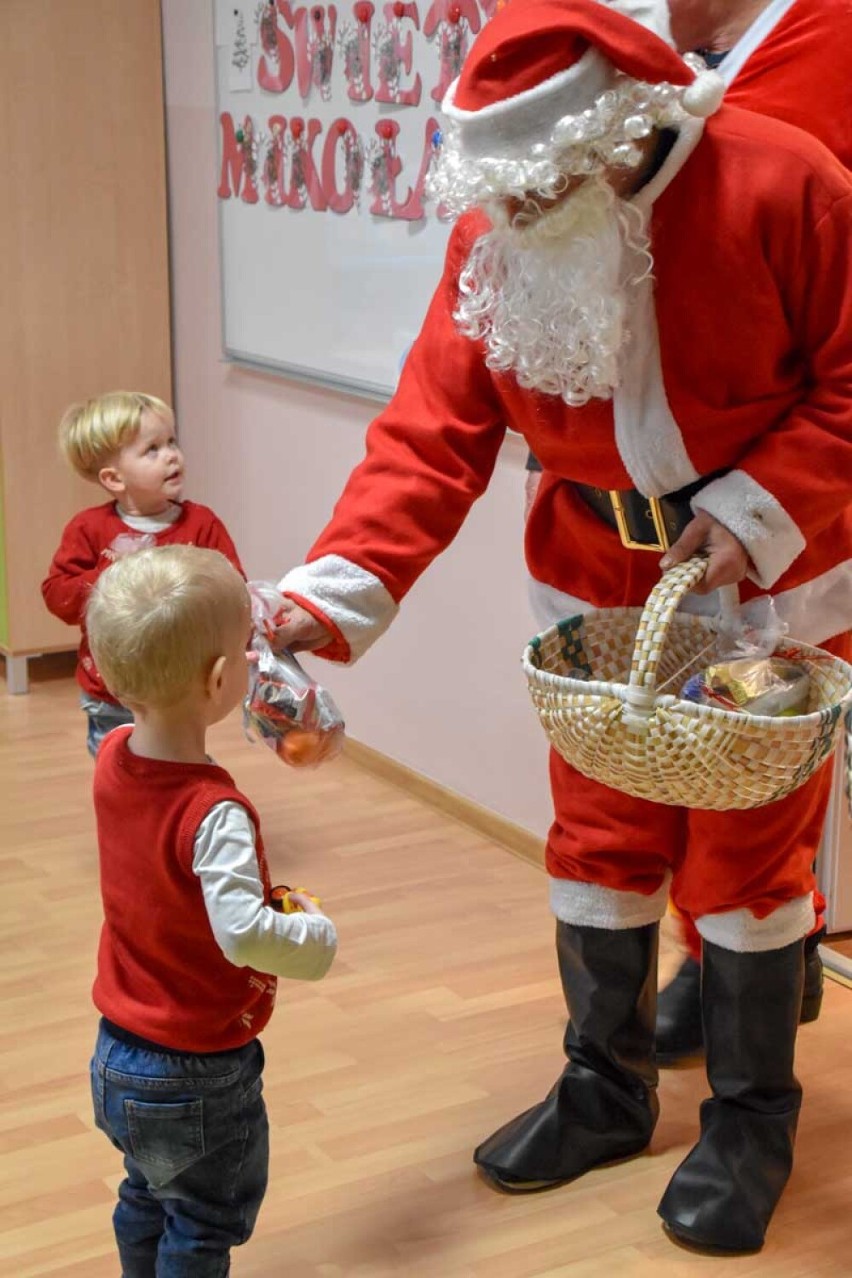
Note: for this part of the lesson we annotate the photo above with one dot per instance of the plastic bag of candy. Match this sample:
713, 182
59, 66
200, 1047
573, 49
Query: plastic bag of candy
753, 685
285, 708
745, 675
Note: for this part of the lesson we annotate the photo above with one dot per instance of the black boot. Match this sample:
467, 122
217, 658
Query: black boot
812, 992
724, 1193
679, 1031
604, 1106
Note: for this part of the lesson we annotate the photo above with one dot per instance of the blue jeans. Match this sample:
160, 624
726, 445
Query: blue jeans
195, 1139
103, 716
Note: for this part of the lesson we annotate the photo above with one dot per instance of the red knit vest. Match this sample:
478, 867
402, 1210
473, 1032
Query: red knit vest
161, 974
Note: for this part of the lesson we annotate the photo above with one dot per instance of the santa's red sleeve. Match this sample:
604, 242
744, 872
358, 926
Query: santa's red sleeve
790, 485
73, 571
430, 454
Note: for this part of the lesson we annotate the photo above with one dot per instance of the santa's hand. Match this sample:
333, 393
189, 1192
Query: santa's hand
727, 558
298, 630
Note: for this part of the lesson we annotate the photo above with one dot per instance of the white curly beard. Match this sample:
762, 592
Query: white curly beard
548, 294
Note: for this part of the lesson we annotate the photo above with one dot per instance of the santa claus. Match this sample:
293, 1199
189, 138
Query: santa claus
656, 293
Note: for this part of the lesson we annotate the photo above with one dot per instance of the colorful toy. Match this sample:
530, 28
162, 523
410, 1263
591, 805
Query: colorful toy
280, 899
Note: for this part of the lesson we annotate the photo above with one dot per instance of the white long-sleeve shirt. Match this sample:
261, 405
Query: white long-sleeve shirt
249, 932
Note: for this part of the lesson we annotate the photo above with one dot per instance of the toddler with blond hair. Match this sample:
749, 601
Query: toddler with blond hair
126, 442
190, 947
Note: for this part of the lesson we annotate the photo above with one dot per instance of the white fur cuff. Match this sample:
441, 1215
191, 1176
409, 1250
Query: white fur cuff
757, 520
355, 600
740, 931
590, 905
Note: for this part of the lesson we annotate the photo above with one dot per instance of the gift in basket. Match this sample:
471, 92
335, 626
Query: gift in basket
609, 690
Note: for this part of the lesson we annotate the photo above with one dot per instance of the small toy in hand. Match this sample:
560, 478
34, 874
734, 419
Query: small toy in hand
285, 707
280, 899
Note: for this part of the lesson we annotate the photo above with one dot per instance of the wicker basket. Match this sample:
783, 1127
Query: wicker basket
599, 685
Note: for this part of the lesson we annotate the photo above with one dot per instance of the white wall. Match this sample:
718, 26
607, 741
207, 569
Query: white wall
443, 692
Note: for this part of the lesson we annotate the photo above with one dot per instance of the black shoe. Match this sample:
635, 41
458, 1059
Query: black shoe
680, 1033
723, 1194
604, 1107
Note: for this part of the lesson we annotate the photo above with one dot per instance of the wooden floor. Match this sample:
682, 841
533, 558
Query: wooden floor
441, 1019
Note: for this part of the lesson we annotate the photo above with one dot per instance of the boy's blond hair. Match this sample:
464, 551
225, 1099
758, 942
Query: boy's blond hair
90, 434
157, 620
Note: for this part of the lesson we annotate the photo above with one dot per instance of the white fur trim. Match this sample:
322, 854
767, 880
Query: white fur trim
354, 599
740, 931
514, 125
813, 612
550, 605
648, 438
752, 38
590, 905
819, 608
757, 520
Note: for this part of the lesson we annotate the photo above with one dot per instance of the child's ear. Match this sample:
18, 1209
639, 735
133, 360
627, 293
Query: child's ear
110, 479
216, 676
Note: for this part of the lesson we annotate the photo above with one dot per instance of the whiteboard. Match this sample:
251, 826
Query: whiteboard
326, 118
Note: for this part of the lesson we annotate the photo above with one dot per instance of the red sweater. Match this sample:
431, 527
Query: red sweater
84, 552
161, 974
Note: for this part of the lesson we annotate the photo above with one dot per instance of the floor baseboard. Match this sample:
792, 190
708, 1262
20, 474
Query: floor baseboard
513, 837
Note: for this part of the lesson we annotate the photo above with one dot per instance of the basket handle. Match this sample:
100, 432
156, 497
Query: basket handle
660, 608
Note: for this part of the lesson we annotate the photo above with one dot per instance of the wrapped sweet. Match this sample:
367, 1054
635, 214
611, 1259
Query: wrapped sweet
753, 685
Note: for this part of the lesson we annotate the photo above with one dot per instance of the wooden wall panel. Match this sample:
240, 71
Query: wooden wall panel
85, 281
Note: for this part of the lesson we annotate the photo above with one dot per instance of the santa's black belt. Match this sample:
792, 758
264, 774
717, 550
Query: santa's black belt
643, 523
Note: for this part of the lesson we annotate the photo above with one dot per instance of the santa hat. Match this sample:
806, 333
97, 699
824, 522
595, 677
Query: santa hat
563, 86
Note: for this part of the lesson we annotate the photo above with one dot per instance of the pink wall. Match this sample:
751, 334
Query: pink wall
443, 691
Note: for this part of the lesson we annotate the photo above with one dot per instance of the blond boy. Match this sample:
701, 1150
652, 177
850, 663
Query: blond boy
190, 948
125, 441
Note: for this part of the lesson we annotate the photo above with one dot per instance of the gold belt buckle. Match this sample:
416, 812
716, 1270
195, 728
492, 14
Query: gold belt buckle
655, 511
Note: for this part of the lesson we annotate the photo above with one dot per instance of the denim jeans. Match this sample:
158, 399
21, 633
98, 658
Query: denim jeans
195, 1139
103, 716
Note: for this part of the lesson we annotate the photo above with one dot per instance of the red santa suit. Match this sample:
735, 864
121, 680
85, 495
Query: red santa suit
793, 63
737, 371
742, 363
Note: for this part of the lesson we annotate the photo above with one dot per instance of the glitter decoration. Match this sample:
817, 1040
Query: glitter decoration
273, 160
268, 29
379, 158
321, 50
353, 161
247, 141
453, 36
352, 41
294, 149
386, 46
